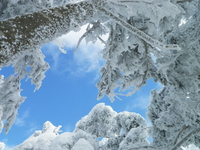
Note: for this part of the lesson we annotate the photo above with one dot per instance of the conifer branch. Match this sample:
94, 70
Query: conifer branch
137, 32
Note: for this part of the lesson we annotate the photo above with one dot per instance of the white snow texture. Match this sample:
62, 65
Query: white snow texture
102, 121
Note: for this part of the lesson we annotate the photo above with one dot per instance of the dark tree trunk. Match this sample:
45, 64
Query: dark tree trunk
33, 30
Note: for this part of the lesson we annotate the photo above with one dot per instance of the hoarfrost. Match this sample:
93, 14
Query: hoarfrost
85, 138
10, 87
13, 8
145, 41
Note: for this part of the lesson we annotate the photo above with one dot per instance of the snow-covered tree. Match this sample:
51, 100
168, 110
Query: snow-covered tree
124, 130
157, 39
40, 140
20, 41
99, 121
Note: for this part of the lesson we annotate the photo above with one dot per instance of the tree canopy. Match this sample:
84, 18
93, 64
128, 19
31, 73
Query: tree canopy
158, 39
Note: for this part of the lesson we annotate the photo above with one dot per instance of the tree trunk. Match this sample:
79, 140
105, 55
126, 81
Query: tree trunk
33, 30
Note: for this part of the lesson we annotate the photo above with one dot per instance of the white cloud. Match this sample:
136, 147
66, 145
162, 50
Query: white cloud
21, 121
70, 39
85, 60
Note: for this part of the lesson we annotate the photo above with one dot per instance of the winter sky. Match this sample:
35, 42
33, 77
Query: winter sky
68, 92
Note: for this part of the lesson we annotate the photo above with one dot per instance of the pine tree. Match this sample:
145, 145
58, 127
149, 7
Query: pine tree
147, 39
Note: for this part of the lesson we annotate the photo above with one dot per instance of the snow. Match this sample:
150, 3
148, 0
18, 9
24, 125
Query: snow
48, 139
148, 39
63, 141
85, 136
136, 137
10, 87
25, 52
40, 139
129, 120
13, 8
82, 144
10, 99
190, 147
99, 121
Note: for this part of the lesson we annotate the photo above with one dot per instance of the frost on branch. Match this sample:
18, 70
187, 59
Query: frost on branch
10, 100
150, 40
129, 64
35, 60
128, 120
92, 34
13, 8
140, 46
155, 10
10, 87
22, 35
116, 128
174, 117
136, 56
136, 137
99, 121
166, 117
134, 44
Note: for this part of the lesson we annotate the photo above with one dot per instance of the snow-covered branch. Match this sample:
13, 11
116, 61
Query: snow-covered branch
185, 138
140, 34
33, 30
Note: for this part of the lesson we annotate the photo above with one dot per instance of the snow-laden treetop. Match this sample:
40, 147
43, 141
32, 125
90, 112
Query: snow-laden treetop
118, 130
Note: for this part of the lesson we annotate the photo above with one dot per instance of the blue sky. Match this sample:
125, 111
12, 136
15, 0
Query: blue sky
68, 92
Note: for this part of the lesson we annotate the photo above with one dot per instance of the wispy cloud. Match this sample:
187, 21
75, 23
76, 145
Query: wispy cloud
67, 128
87, 59
141, 102
21, 120
32, 128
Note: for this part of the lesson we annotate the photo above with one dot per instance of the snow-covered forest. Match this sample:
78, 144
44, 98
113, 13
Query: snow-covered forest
147, 39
